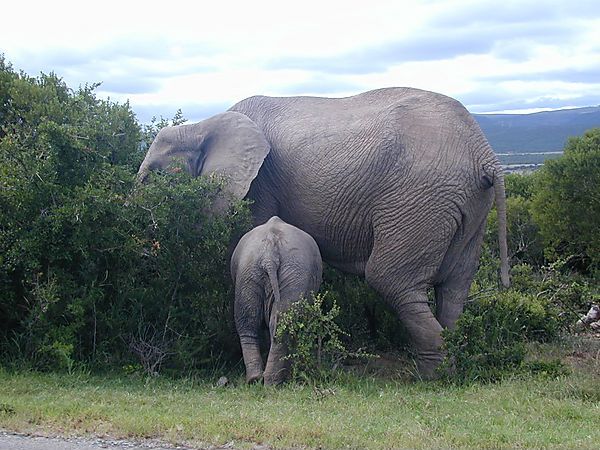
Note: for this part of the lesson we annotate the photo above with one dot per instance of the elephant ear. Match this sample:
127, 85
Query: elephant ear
234, 147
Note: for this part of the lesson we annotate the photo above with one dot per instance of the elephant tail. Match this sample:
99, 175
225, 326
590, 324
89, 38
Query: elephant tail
272, 274
500, 199
270, 264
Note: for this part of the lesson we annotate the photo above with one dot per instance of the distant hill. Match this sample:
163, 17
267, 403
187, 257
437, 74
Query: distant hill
537, 132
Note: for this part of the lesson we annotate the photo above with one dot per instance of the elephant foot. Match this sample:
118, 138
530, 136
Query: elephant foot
274, 380
253, 376
276, 377
277, 370
427, 365
252, 359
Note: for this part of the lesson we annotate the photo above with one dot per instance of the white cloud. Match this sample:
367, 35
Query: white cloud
201, 55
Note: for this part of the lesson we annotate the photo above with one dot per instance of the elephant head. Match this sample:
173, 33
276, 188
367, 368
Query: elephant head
228, 144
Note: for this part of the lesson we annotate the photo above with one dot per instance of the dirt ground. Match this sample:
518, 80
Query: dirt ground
15, 441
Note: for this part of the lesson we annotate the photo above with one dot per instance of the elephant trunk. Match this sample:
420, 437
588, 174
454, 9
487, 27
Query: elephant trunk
143, 171
142, 175
500, 199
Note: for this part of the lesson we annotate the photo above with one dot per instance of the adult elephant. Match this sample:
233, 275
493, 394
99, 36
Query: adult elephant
394, 184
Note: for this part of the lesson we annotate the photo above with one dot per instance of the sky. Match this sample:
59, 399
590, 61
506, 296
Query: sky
204, 56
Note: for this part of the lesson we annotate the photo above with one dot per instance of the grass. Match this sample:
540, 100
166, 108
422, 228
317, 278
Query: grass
352, 412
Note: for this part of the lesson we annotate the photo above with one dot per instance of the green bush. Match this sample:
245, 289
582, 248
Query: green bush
525, 243
54, 143
520, 185
568, 293
363, 313
94, 269
566, 203
314, 338
178, 279
56, 356
489, 340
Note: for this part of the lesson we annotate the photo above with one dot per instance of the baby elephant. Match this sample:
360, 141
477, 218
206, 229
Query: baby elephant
273, 266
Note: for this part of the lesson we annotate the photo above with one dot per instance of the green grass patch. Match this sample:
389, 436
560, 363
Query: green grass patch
520, 412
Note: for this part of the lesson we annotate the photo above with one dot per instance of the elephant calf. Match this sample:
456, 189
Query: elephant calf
273, 265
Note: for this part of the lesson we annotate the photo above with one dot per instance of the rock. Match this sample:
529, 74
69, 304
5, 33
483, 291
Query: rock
222, 382
591, 319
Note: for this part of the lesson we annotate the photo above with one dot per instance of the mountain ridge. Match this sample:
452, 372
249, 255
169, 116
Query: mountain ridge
545, 131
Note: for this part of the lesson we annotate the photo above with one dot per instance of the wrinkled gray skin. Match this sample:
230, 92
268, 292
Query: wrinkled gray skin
273, 266
393, 184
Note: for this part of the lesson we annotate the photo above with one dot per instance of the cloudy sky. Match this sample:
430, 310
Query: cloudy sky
203, 56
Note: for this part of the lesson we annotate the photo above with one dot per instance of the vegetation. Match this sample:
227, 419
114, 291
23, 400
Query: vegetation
490, 338
100, 275
314, 338
551, 286
567, 203
94, 270
539, 411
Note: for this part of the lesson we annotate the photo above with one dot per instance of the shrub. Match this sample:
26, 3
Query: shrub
314, 338
177, 282
566, 292
54, 144
363, 313
525, 243
520, 185
566, 203
91, 266
489, 338
569, 292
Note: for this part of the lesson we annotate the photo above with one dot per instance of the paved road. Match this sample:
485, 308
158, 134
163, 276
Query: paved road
11, 441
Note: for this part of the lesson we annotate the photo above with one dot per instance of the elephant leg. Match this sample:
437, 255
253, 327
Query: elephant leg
452, 292
401, 268
412, 308
449, 303
293, 287
248, 320
278, 368
252, 358
424, 331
